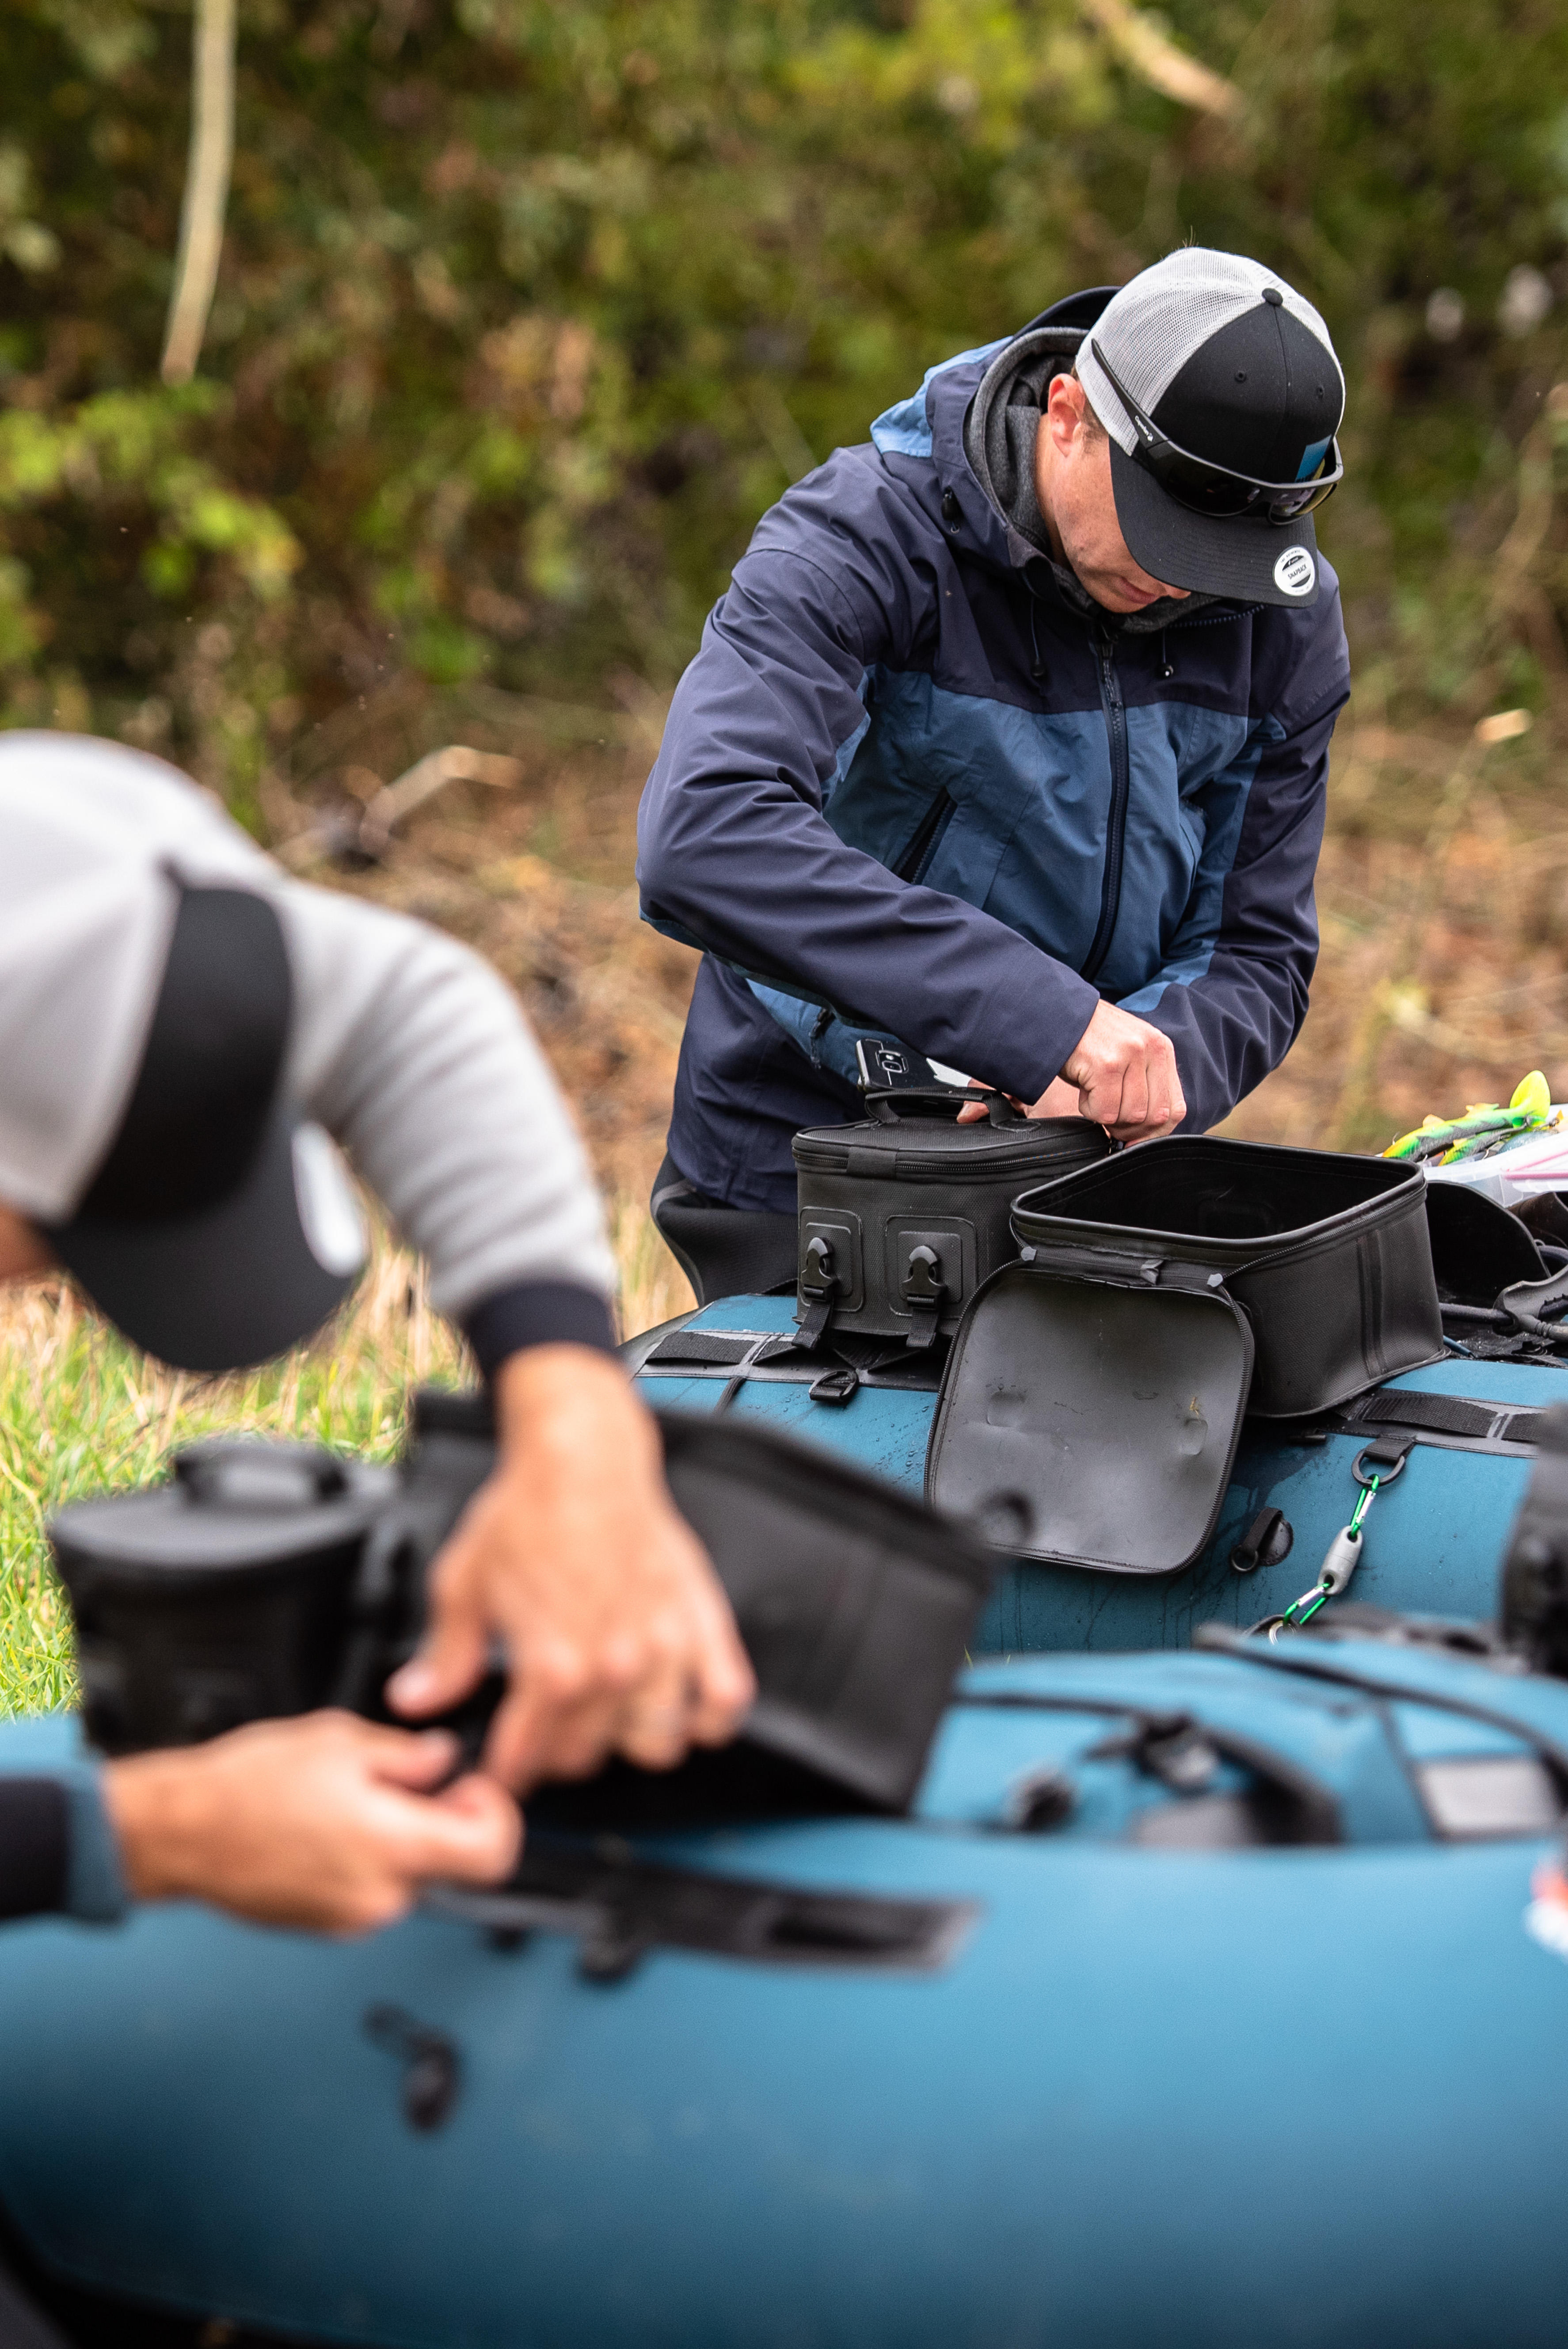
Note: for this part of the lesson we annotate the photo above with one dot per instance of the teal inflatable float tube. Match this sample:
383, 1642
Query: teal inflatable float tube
1203, 1998
1433, 1540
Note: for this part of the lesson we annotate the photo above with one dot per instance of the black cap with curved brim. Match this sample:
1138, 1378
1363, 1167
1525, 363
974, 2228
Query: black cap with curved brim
219, 1227
1233, 367
1254, 561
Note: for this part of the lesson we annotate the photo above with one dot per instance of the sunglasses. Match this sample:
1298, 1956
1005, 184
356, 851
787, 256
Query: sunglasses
1214, 490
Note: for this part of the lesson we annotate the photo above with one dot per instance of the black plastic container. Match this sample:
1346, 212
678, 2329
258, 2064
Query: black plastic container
221, 1597
1329, 1255
904, 1213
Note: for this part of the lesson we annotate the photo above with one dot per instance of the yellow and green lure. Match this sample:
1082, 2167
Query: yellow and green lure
1483, 1126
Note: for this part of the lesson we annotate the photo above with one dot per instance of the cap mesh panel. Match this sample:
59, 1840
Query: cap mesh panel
1151, 329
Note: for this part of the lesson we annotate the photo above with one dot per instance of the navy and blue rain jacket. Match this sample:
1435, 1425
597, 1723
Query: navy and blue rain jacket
907, 789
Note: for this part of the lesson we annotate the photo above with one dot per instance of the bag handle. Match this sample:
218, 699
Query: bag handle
891, 1107
238, 1473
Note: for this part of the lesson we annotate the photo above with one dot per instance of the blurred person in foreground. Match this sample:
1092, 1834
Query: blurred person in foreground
1008, 748
184, 1030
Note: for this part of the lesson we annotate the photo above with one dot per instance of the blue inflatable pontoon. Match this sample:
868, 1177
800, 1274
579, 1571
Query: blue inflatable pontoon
1434, 1538
1205, 1999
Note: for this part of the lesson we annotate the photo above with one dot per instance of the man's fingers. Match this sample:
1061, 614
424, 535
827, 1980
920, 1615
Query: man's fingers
654, 1727
1103, 1097
558, 1716
723, 1686
1059, 1099
1133, 1112
689, 1681
451, 1658
416, 1759
472, 1832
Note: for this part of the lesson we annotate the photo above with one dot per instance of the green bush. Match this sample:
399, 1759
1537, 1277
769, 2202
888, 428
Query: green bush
528, 309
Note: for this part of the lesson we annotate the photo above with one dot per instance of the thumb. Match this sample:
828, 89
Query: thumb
449, 1661
472, 1832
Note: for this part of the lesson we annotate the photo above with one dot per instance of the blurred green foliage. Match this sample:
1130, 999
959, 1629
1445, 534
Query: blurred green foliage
527, 308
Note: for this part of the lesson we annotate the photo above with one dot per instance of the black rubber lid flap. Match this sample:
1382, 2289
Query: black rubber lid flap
856, 1604
1090, 1423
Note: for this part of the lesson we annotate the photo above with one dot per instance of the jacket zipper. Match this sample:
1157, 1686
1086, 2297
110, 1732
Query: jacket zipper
923, 847
1120, 791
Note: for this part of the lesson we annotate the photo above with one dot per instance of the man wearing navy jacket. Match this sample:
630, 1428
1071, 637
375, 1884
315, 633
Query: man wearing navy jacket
1007, 747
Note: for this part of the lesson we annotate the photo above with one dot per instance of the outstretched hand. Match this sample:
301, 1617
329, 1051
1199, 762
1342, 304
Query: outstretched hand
617, 1634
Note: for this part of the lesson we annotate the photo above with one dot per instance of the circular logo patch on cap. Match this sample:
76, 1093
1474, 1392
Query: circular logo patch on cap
1296, 573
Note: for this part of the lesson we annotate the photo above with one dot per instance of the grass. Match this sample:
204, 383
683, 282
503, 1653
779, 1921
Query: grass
81, 1411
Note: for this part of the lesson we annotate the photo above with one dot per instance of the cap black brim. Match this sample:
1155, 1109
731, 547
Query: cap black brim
220, 1291
1240, 558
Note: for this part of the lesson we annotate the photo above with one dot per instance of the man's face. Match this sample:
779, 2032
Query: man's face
1072, 483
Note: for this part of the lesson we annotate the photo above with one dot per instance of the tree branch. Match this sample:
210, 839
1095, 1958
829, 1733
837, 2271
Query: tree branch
206, 187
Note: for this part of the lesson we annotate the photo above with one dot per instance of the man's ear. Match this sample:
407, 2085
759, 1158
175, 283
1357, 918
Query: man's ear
1068, 415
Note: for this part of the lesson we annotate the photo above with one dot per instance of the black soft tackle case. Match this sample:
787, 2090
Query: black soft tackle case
905, 1213
1092, 1401
1329, 1255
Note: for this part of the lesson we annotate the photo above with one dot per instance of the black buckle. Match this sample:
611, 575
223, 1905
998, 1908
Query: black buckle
840, 1386
925, 1292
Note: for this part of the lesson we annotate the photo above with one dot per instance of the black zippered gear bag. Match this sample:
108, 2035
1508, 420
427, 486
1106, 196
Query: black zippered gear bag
903, 1214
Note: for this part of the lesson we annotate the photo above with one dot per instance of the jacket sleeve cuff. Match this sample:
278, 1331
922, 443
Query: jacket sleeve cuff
34, 1846
537, 1313
1041, 1035
96, 1889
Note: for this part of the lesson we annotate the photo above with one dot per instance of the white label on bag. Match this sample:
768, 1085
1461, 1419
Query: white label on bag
1296, 573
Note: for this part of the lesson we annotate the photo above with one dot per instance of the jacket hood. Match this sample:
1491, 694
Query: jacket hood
976, 416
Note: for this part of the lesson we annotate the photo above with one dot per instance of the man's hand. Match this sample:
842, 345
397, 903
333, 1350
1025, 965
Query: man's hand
1059, 1099
1125, 1071
618, 1637
324, 1822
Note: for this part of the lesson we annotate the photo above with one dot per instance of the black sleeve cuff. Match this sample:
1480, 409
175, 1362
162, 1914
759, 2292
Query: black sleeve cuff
537, 1313
34, 1847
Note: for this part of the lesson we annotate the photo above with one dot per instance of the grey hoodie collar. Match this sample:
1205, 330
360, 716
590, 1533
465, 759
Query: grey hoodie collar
999, 434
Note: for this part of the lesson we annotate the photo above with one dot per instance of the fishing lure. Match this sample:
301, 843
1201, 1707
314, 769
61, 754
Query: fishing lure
1482, 1126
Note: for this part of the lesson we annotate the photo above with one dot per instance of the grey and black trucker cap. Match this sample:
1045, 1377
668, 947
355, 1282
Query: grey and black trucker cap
145, 1017
1234, 366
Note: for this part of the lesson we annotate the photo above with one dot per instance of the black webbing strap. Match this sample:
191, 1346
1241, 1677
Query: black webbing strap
1441, 1414
699, 1350
815, 1325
